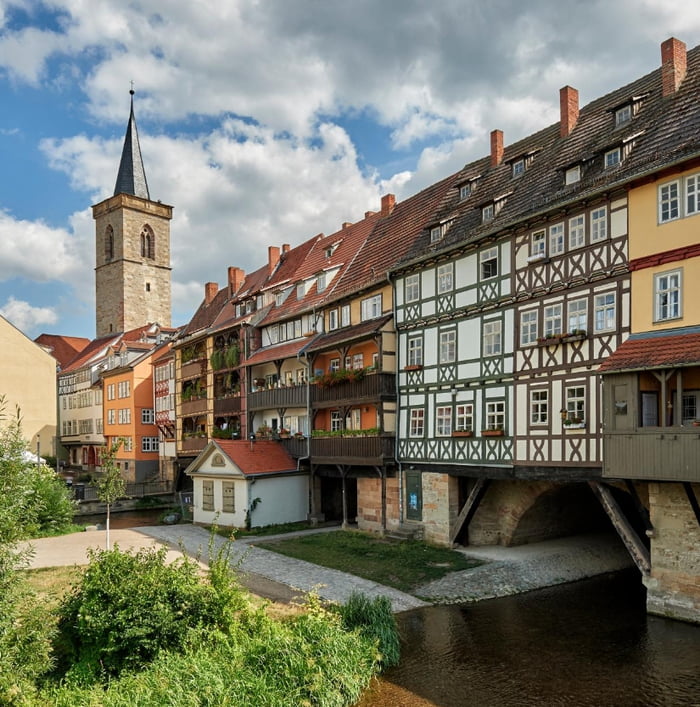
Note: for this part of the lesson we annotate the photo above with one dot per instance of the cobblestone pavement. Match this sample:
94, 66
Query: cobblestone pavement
505, 570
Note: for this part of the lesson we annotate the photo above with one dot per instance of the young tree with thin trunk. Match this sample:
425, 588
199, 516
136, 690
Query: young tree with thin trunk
111, 486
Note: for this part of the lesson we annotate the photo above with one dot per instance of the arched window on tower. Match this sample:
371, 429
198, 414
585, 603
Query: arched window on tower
148, 243
109, 244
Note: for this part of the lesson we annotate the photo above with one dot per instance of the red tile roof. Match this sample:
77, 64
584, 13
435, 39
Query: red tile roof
63, 348
672, 348
347, 334
273, 353
259, 457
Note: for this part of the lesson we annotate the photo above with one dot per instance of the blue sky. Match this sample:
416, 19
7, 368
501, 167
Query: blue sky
266, 123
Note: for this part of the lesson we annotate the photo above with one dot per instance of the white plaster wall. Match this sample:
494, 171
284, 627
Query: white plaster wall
283, 500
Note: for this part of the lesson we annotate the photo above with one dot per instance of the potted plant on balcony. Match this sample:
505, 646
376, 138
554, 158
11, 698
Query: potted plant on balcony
284, 433
264, 431
298, 435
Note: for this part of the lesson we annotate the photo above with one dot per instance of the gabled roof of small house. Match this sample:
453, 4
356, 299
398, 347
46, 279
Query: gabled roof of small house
671, 348
251, 458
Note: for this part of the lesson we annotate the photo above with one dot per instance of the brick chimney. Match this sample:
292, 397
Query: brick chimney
568, 106
210, 290
273, 257
285, 248
673, 65
236, 277
496, 147
388, 203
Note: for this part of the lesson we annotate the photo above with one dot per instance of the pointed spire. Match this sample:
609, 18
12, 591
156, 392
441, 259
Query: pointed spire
131, 178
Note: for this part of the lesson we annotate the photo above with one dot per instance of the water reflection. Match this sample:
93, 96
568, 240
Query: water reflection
588, 643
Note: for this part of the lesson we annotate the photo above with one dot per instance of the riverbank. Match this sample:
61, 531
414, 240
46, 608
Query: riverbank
506, 571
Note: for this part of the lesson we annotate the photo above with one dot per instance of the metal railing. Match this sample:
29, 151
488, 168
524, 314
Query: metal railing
88, 492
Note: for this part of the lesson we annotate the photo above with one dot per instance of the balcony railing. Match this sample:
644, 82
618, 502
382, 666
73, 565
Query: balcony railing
227, 406
360, 451
193, 444
296, 446
194, 369
659, 453
373, 387
193, 407
292, 396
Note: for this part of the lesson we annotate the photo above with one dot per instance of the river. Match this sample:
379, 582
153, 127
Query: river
585, 643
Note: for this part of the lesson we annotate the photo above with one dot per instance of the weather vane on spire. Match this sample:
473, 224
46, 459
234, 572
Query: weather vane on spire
131, 91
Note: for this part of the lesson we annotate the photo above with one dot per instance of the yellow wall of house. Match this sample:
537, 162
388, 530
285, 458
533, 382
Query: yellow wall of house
28, 380
648, 237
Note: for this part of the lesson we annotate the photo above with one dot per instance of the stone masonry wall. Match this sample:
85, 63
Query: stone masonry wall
369, 504
440, 499
673, 589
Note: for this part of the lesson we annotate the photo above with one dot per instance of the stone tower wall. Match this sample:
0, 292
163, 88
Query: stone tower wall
131, 290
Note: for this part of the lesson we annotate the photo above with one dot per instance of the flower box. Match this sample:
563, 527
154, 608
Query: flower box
462, 433
536, 258
549, 340
492, 433
573, 336
413, 367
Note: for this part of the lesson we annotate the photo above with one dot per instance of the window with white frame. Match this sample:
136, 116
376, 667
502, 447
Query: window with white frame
518, 167
576, 404
573, 175
556, 239
577, 231
415, 351
149, 444
623, 115
334, 365
445, 277
336, 420
345, 315
111, 417
538, 244
465, 191
578, 316
147, 416
412, 288
488, 259
691, 194
443, 421
417, 423
332, 319
667, 295
464, 418
612, 158
605, 312
690, 407
669, 202
321, 282
539, 407
123, 389
487, 213
448, 346
552, 320
110, 391
599, 224
371, 307
128, 443
495, 415
528, 327
279, 298
492, 338
358, 361
436, 233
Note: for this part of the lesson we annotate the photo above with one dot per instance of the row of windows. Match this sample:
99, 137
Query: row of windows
492, 344
82, 400
574, 412
570, 234
83, 427
679, 198
165, 372
554, 323
355, 361
457, 418
123, 390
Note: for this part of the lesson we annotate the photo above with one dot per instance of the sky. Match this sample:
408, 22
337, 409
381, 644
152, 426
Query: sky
264, 122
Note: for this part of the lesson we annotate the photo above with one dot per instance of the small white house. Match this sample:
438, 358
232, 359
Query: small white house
234, 478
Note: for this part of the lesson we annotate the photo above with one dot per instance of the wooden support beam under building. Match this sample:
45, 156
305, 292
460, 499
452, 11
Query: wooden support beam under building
635, 547
469, 508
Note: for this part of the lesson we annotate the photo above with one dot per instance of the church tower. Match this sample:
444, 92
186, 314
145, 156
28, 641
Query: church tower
132, 257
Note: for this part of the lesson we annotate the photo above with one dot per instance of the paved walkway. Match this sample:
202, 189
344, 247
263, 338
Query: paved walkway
506, 570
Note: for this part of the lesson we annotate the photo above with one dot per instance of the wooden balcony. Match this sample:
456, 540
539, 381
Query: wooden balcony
228, 406
291, 397
194, 369
372, 388
358, 451
658, 453
193, 444
297, 447
193, 407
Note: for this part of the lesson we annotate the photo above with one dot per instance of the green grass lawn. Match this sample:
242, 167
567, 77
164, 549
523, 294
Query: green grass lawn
403, 565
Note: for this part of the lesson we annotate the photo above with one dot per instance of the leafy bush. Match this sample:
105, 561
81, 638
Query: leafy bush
375, 620
129, 607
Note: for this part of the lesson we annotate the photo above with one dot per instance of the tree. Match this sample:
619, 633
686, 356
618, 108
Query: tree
111, 486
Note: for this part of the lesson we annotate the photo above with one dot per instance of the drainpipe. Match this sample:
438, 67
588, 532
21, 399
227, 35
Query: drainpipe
398, 406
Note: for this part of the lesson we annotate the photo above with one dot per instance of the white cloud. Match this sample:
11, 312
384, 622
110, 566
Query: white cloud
35, 251
26, 317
